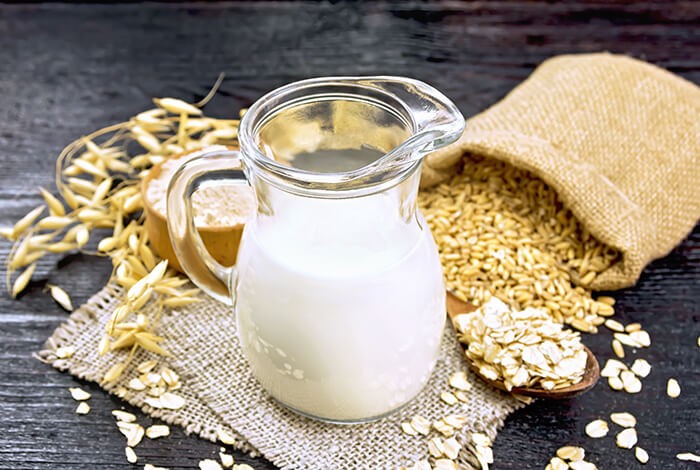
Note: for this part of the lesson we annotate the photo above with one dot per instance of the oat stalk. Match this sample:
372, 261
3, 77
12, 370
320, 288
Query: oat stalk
98, 178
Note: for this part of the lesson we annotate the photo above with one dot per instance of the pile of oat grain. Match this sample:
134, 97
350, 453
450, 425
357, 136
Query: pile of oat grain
502, 231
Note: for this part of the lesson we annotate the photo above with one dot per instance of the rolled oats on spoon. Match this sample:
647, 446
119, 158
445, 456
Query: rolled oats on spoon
523, 351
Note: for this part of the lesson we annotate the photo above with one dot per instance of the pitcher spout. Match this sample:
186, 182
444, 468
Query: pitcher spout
436, 120
343, 136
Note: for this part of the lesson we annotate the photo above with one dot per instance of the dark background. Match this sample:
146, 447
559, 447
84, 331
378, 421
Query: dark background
67, 69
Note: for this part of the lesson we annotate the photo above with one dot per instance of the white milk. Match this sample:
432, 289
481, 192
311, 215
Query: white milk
340, 305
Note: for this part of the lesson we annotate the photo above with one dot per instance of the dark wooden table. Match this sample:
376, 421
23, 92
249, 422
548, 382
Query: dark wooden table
66, 70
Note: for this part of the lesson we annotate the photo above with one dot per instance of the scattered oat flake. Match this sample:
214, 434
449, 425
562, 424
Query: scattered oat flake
641, 367
624, 419
153, 402
226, 459
131, 456
169, 376
597, 429
420, 424
627, 340
79, 394
615, 383
136, 384
641, 454
65, 352
689, 456
582, 465
481, 439
612, 368
225, 437
462, 396
630, 382
209, 464
484, 454
641, 337
156, 391
150, 379
61, 297
242, 466
571, 453
148, 466
408, 429
124, 416
456, 421
445, 464
452, 448
449, 398
459, 381
171, 401
558, 464
83, 408
627, 438
443, 428
134, 434
146, 366
673, 388
436, 448
125, 427
157, 430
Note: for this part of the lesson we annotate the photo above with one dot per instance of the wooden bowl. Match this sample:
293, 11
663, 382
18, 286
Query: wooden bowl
221, 242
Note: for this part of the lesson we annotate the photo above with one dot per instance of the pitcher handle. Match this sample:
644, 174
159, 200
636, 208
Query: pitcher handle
222, 165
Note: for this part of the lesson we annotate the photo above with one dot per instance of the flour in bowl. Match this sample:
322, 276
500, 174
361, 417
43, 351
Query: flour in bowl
213, 206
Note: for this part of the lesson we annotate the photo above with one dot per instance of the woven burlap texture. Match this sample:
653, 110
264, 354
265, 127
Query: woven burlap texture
617, 138
221, 392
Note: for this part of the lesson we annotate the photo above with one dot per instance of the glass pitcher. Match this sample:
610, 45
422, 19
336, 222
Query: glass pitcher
338, 290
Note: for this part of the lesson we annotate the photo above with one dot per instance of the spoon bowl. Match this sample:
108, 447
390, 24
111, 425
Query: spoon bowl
456, 306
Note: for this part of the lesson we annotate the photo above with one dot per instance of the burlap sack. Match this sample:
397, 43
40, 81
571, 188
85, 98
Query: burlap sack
617, 138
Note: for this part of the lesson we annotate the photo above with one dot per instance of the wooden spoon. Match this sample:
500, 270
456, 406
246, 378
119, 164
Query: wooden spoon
455, 306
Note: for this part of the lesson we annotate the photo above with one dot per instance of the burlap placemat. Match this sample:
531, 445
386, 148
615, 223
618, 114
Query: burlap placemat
221, 391
617, 138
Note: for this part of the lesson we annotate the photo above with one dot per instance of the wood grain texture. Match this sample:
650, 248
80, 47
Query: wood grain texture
68, 69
